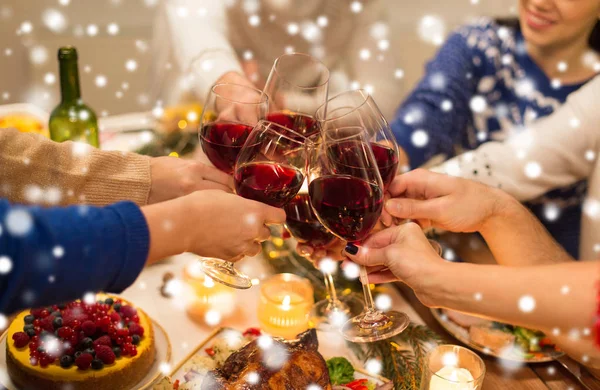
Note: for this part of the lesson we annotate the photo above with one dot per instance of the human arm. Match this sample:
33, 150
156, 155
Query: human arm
564, 145
58, 254
446, 79
463, 206
532, 297
34, 169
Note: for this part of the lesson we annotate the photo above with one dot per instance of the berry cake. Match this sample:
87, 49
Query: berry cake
107, 345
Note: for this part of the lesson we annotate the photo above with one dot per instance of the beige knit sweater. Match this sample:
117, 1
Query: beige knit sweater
34, 169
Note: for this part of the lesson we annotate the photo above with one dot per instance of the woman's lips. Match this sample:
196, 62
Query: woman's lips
537, 21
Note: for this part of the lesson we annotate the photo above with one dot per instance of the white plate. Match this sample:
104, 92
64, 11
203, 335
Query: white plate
178, 374
163, 355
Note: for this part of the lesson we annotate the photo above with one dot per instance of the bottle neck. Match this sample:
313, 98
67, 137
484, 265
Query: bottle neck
69, 81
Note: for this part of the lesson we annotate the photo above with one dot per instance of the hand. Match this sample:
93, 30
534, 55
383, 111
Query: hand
315, 255
210, 223
446, 202
401, 253
173, 177
227, 110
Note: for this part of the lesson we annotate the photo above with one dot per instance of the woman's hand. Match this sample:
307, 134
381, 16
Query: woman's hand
210, 223
401, 253
173, 177
446, 202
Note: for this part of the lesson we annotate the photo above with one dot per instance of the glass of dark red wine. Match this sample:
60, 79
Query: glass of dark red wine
346, 193
357, 108
302, 223
230, 113
297, 85
270, 168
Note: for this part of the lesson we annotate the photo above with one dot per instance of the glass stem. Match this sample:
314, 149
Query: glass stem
331, 293
364, 279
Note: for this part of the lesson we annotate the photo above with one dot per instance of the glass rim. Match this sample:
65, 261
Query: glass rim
360, 134
266, 125
313, 59
263, 96
286, 277
479, 359
366, 96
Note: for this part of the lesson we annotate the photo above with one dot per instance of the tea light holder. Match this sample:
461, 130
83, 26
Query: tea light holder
452, 367
284, 305
206, 295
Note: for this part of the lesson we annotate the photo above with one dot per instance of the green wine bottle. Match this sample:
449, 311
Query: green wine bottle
72, 120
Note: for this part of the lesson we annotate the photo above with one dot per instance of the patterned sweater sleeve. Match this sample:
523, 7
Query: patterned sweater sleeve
436, 114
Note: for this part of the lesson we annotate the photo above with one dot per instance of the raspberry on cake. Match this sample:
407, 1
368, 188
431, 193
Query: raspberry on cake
105, 345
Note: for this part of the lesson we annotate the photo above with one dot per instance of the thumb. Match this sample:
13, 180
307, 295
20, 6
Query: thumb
368, 257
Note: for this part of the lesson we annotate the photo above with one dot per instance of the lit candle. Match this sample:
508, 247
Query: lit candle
452, 378
285, 302
207, 295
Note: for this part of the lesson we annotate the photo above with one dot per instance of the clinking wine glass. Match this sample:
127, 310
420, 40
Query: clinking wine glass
270, 169
297, 85
303, 225
230, 113
346, 194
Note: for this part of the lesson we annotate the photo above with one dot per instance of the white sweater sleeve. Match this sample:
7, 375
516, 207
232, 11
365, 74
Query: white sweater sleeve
556, 151
198, 30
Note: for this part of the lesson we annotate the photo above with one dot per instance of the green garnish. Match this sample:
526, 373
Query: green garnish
340, 371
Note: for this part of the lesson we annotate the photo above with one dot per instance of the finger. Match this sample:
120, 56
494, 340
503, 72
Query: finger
237, 258
209, 185
375, 269
386, 218
421, 183
304, 250
215, 175
253, 249
273, 215
366, 256
264, 234
415, 209
382, 277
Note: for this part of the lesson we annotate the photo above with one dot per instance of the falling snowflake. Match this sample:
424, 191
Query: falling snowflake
101, 81
373, 366
446, 105
254, 20
89, 298
252, 378
524, 87
293, 28
26, 27
251, 6
399, 73
383, 44
364, 54
478, 104
54, 20
58, 251
533, 170
356, 7
432, 29
38, 55
574, 122
555, 331
526, 303
112, 29
165, 368
556, 83
351, 271
551, 211
313, 386
151, 3
419, 138
562, 66
91, 30
591, 208
5, 265
18, 222
478, 296
174, 287
328, 266
383, 302
590, 155
311, 31
131, 65
275, 356
51, 278
438, 81
64, 3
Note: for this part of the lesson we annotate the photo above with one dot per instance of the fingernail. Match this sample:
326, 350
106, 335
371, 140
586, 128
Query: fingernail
392, 205
351, 248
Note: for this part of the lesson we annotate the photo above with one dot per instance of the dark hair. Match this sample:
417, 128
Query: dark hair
593, 41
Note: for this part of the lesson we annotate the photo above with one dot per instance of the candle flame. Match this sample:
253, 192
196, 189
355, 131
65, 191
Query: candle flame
285, 304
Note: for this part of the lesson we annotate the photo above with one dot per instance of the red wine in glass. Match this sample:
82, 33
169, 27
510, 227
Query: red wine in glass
268, 182
222, 143
346, 159
300, 123
346, 205
303, 224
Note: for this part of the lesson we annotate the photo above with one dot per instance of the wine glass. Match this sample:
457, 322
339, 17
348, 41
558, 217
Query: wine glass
229, 115
357, 108
302, 223
297, 85
270, 169
346, 194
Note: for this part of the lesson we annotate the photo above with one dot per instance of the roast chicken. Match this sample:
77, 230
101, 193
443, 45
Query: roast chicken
249, 368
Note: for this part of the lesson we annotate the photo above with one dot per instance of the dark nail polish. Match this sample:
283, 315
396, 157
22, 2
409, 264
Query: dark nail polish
352, 249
